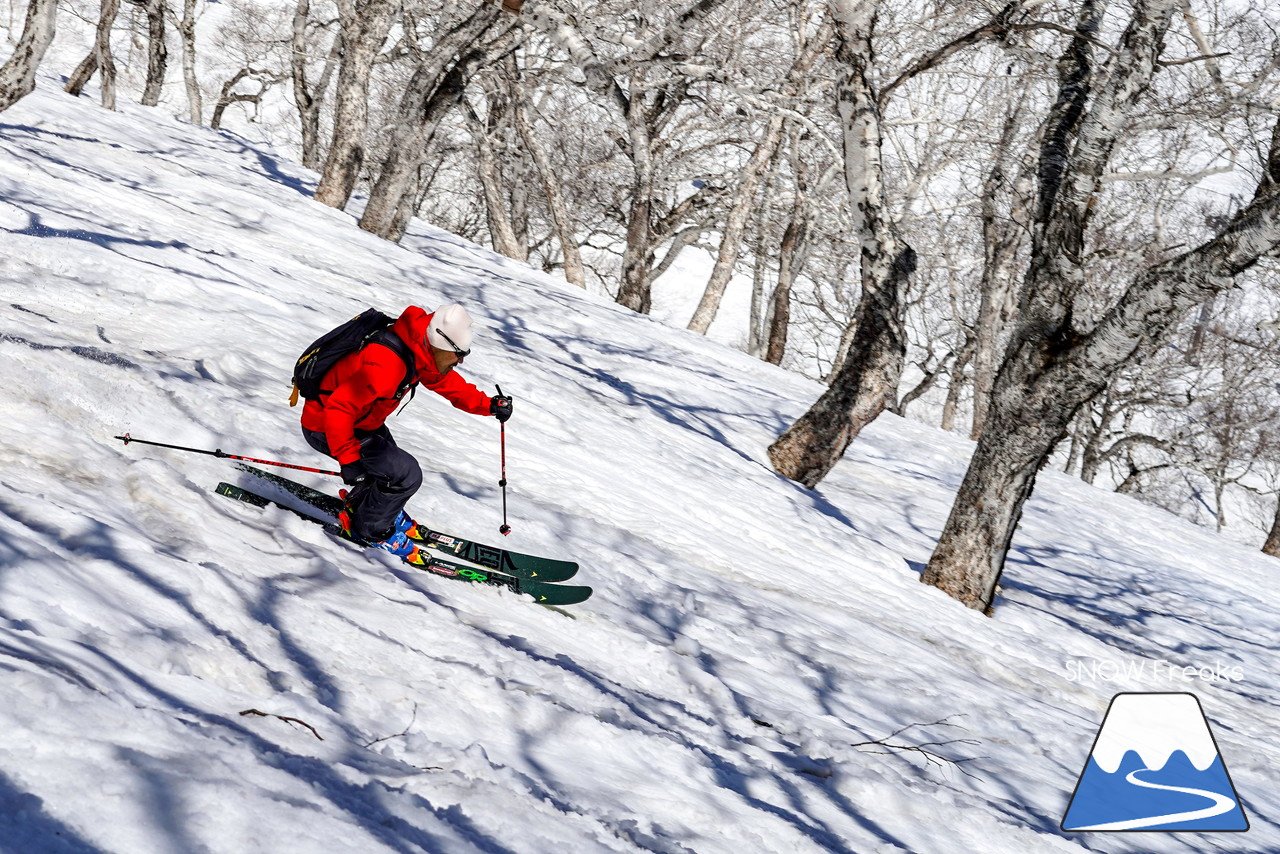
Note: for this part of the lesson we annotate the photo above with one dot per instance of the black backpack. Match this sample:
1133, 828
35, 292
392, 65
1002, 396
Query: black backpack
370, 327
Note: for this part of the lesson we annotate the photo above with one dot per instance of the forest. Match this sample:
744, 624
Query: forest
1048, 225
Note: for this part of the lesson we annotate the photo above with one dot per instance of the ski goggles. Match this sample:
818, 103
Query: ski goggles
457, 351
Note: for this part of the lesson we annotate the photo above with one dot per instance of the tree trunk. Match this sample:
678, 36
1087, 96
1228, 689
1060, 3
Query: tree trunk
365, 24
83, 73
758, 325
637, 256
99, 58
574, 271
187, 31
157, 53
396, 195
18, 74
866, 382
306, 98
1050, 368
735, 227
308, 109
501, 230
1002, 238
1272, 545
956, 384
436, 86
1047, 378
791, 260
863, 387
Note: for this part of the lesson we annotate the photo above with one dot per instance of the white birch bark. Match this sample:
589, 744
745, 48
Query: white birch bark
365, 25
157, 53
501, 230
628, 104
307, 96
187, 32
867, 380
1052, 368
437, 83
18, 74
746, 184
1003, 189
99, 60
574, 271
748, 181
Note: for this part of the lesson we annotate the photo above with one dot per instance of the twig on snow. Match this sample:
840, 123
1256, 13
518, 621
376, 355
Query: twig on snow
284, 718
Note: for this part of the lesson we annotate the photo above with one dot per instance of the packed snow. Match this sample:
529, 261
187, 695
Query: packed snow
748, 639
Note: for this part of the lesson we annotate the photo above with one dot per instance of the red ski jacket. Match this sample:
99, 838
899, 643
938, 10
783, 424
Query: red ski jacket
361, 387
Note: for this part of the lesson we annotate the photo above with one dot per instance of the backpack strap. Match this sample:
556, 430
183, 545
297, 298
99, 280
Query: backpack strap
396, 344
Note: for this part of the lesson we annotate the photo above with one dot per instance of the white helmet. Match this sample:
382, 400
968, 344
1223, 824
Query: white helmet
450, 329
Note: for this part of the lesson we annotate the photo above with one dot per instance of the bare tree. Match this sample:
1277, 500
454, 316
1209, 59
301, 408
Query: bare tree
645, 100
309, 97
748, 180
18, 74
157, 53
792, 254
99, 59
552, 187
867, 381
228, 96
506, 241
436, 86
744, 196
1053, 365
365, 25
873, 349
1005, 197
186, 26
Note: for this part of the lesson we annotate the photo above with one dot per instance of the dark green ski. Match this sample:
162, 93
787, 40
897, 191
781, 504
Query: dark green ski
490, 557
543, 592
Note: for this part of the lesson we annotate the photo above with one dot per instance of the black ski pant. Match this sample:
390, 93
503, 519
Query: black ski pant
394, 476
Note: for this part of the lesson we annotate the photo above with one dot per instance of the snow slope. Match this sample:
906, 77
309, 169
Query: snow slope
746, 634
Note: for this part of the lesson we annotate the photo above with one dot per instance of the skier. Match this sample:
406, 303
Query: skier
357, 394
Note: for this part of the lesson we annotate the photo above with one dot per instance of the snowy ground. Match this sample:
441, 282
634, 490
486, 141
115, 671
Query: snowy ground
744, 636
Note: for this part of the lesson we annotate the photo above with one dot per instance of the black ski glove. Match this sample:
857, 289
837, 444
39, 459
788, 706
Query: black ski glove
354, 473
500, 408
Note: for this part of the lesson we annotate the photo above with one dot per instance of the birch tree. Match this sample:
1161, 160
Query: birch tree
186, 26
18, 74
436, 86
747, 183
99, 60
552, 187
307, 38
868, 380
644, 98
157, 52
1054, 362
1005, 197
868, 368
365, 25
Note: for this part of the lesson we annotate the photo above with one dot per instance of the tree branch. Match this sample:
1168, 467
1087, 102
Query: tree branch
284, 718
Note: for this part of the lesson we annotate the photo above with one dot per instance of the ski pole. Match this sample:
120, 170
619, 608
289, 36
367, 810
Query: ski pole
504, 529
126, 438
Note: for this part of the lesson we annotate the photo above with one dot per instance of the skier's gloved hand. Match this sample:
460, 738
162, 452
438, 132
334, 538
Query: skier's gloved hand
354, 473
500, 407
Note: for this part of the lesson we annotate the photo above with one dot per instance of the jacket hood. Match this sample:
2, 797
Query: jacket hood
411, 326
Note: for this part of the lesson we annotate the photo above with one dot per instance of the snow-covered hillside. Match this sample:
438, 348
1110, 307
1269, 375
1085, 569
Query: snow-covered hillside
745, 634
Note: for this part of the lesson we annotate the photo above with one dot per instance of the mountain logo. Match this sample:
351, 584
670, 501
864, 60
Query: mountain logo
1155, 766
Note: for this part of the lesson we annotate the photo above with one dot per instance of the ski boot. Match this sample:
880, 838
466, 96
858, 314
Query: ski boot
406, 525
399, 542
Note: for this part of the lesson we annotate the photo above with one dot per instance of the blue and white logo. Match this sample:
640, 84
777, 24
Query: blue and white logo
1155, 766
